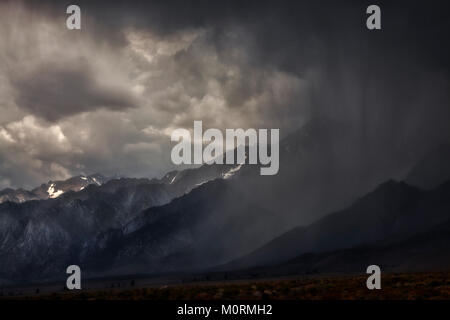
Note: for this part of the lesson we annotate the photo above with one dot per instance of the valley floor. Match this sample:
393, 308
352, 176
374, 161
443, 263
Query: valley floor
395, 286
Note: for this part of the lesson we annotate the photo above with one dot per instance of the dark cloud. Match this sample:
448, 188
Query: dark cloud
56, 91
230, 64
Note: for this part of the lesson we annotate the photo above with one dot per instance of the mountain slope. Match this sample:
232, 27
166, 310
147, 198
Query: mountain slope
431, 170
427, 251
322, 169
394, 210
208, 226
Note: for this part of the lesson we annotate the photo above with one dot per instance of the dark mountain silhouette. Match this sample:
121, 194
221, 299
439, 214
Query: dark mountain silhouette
427, 251
431, 170
393, 211
322, 169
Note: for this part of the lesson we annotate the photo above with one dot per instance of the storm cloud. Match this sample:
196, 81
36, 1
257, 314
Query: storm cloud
106, 98
53, 92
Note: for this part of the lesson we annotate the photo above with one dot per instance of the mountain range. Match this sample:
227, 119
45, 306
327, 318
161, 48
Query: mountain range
52, 189
44, 235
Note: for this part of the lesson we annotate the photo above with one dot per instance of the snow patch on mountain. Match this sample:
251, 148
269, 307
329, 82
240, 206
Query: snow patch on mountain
203, 182
232, 172
52, 193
